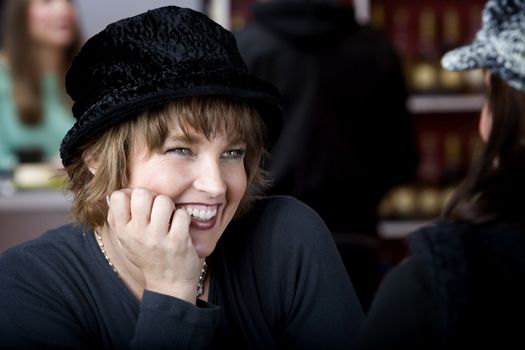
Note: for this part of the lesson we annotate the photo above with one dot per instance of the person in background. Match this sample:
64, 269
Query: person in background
2, 3
40, 38
173, 247
463, 285
347, 136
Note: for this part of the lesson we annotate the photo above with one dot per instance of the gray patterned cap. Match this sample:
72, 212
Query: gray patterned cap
499, 46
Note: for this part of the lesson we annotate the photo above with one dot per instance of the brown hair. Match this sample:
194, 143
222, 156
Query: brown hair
21, 57
495, 185
207, 115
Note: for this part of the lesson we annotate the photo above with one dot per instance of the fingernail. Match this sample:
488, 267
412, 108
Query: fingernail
107, 200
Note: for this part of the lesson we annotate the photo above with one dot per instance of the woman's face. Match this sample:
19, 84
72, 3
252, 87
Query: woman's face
52, 22
485, 120
205, 177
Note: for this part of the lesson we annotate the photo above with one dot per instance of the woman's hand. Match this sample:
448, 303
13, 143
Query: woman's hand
155, 237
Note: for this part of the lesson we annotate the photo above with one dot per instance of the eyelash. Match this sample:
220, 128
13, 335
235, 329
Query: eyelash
180, 150
235, 153
229, 154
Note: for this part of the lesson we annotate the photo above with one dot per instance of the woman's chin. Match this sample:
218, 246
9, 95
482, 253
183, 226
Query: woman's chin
204, 249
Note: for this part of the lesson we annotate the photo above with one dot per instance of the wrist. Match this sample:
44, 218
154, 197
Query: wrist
185, 290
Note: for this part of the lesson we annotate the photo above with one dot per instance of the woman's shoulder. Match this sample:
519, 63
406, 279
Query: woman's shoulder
437, 233
450, 233
283, 206
449, 249
277, 223
286, 213
440, 243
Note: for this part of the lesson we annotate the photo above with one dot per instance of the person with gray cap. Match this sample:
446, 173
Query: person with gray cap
173, 246
463, 286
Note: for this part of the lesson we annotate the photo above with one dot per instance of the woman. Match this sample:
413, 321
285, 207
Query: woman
464, 286
40, 40
165, 154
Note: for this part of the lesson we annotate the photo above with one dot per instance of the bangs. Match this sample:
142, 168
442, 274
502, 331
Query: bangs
207, 116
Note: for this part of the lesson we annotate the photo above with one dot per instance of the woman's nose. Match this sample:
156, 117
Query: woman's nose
209, 178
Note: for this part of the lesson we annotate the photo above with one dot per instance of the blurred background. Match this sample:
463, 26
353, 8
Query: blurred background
442, 107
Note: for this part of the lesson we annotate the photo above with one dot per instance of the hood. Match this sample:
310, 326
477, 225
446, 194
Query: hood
306, 24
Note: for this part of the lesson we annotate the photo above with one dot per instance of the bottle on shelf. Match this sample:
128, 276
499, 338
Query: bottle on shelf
450, 81
377, 15
473, 78
425, 71
400, 203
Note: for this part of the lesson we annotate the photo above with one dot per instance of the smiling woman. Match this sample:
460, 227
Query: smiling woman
175, 245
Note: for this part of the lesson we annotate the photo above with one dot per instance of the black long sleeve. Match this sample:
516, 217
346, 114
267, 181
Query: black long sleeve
403, 313
276, 281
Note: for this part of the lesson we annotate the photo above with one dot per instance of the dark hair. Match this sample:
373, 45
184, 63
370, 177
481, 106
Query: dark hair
21, 57
495, 185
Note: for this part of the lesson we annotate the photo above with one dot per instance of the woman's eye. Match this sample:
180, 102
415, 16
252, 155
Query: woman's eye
180, 151
234, 154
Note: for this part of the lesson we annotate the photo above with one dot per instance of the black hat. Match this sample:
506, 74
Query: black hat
153, 58
499, 46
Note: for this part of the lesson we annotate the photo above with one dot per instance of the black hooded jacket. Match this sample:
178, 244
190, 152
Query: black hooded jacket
347, 136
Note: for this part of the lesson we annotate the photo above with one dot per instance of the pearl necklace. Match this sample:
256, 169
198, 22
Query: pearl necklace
202, 275
101, 245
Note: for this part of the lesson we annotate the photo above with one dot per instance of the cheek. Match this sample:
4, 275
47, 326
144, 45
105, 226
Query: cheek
237, 183
168, 180
38, 18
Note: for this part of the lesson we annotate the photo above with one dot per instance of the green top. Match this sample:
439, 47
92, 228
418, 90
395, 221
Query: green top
46, 136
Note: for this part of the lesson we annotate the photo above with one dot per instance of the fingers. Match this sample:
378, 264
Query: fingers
161, 213
146, 212
131, 204
180, 224
119, 213
141, 205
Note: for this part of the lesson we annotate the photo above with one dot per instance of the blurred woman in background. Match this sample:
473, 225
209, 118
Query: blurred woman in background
40, 39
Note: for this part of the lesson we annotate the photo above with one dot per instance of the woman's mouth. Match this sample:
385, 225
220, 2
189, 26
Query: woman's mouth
202, 212
203, 217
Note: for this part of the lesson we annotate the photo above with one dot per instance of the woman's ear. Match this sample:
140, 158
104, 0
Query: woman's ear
91, 162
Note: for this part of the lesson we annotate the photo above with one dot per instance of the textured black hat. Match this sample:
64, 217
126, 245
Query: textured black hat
153, 58
499, 46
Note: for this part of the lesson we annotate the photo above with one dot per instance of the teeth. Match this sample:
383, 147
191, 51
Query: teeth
202, 214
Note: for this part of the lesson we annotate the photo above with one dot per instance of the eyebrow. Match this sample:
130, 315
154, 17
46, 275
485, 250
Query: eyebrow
195, 138
182, 137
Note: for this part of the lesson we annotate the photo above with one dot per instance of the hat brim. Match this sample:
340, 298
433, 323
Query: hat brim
108, 112
473, 56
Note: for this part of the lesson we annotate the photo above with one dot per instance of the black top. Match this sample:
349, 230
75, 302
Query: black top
463, 287
276, 282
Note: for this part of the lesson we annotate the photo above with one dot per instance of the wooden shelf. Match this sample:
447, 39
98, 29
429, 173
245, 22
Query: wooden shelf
445, 103
399, 229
